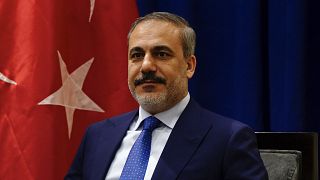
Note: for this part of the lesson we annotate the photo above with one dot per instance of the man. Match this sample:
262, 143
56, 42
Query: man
188, 142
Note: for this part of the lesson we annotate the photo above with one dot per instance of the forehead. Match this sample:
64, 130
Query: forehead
155, 32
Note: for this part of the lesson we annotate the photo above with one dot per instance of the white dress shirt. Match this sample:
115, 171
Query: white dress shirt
159, 139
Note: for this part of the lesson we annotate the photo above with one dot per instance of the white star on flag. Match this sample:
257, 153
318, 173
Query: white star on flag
7, 80
92, 2
70, 95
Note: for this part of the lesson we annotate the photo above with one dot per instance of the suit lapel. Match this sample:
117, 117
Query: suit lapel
184, 140
113, 133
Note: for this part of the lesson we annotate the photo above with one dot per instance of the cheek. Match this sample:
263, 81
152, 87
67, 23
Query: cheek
133, 70
174, 72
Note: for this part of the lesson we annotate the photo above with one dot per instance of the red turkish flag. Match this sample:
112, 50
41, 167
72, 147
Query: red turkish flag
63, 66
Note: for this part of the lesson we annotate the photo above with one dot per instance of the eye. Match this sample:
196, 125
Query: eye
137, 55
162, 55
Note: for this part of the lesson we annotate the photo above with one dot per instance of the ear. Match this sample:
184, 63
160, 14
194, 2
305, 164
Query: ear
191, 66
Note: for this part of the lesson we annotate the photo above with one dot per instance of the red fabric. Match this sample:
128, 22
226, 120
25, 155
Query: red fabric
34, 142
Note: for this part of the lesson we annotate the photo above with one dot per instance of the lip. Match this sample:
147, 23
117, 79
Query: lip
148, 82
149, 87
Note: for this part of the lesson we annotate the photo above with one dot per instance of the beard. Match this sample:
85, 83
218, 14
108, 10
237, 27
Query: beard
155, 102
151, 99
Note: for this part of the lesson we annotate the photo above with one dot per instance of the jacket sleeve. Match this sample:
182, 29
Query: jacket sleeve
242, 159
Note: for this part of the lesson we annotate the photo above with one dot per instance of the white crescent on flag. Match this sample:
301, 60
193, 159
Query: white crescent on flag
70, 95
6, 79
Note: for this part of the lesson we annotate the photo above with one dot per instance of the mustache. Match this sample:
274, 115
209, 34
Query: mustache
149, 76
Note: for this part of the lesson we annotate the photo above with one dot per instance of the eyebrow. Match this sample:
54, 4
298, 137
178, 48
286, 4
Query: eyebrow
156, 48
162, 48
136, 49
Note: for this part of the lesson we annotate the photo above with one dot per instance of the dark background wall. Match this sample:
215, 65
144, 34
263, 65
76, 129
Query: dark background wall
258, 60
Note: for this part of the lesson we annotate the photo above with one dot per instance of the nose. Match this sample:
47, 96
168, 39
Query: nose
148, 64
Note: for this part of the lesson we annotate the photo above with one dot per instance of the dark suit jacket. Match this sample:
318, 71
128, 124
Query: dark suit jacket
202, 145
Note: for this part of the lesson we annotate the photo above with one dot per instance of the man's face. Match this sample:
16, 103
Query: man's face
158, 72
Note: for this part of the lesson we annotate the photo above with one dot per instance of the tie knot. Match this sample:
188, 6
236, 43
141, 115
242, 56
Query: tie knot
150, 123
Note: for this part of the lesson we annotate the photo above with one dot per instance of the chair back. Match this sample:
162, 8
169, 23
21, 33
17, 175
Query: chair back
303, 143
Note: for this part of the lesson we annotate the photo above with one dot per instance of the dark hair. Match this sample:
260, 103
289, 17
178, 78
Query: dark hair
187, 35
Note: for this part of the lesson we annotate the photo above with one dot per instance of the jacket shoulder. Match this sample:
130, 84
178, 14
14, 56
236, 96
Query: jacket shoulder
216, 120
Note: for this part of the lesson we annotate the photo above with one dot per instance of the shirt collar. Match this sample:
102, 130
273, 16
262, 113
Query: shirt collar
168, 117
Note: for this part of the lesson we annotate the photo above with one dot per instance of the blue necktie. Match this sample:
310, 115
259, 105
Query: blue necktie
137, 161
